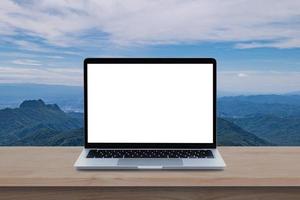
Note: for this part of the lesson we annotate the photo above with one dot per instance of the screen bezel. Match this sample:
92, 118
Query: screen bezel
149, 61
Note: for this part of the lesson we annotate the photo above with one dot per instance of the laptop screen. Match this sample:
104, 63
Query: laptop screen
150, 103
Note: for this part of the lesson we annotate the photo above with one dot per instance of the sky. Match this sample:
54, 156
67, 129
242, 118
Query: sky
256, 43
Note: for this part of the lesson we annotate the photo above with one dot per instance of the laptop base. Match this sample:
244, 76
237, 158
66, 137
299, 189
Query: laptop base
84, 163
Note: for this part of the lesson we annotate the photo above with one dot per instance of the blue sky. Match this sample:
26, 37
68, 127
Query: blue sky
256, 43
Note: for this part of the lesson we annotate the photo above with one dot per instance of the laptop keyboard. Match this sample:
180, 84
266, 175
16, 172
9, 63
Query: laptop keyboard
150, 154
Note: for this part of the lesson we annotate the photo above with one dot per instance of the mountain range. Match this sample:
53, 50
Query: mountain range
39, 124
242, 106
255, 120
273, 118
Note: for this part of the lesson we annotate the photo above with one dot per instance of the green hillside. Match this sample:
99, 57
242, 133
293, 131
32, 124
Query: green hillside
274, 118
276, 129
34, 123
46, 137
229, 134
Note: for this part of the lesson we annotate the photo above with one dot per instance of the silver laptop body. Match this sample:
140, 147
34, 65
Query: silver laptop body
150, 113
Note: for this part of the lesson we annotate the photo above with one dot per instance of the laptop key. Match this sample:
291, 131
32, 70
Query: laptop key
209, 154
92, 154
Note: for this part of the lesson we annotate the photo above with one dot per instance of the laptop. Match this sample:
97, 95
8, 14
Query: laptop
150, 113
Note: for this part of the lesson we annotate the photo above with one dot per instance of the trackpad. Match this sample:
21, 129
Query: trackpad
150, 162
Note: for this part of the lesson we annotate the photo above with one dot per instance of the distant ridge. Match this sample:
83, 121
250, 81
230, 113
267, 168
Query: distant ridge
69, 98
32, 104
293, 93
244, 106
35, 104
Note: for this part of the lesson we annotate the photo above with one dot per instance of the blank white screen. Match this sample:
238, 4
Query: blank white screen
150, 103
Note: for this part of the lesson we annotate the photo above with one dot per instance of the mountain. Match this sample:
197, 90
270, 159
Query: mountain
265, 99
67, 138
293, 93
46, 137
69, 98
229, 134
274, 118
37, 123
276, 129
243, 106
76, 115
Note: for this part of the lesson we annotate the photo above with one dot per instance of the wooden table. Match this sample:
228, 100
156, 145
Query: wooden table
251, 173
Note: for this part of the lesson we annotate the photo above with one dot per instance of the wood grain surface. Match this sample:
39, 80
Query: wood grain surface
125, 193
53, 167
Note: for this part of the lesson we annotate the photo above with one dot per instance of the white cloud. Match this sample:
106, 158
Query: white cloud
242, 75
290, 43
30, 46
27, 62
68, 23
55, 57
61, 76
259, 81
